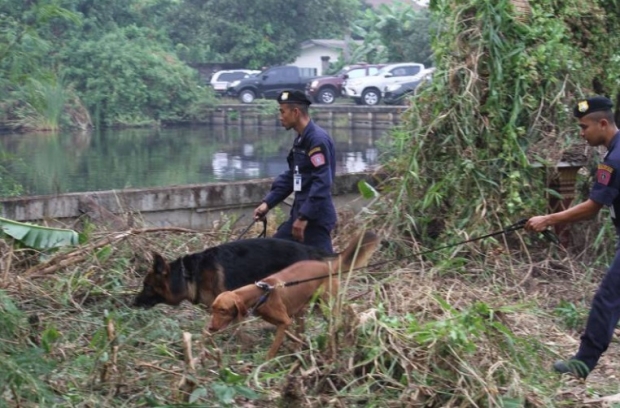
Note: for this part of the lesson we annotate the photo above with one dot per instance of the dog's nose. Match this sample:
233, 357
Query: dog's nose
212, 328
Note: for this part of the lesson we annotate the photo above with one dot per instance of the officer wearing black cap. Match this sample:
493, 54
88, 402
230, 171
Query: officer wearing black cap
596, 121
310, 174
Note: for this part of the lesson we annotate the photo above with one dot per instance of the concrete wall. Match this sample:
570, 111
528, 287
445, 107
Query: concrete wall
195, 206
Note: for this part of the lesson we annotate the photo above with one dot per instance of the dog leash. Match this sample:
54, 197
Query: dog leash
261, 235
549, 235
514, 227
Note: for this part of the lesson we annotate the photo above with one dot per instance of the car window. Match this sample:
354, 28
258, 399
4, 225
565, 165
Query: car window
231, 76
412, 69
400, 71
289, 73
357, 73
373, 70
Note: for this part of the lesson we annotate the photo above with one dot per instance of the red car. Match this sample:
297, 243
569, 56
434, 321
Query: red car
325, 89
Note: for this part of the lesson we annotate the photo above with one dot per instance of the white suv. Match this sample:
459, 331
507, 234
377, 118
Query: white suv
221, 79
367, 90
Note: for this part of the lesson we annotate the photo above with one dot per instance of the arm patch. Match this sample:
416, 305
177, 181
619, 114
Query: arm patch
318, 159
603, 174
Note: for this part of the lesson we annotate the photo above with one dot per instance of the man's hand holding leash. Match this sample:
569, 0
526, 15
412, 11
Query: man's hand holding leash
261, 211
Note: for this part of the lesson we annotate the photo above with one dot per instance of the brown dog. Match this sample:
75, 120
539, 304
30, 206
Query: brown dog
284, 302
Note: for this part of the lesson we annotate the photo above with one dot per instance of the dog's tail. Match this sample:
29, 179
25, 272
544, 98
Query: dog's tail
357, 254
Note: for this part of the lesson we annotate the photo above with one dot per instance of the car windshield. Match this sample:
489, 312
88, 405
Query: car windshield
384, 70
343, 71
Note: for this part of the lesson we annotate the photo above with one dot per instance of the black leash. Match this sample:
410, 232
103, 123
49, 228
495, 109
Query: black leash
514, 227
261, 235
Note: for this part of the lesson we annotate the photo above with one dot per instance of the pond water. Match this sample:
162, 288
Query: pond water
52, 163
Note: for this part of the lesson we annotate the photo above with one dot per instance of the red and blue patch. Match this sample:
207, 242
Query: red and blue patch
318, 159
603, 174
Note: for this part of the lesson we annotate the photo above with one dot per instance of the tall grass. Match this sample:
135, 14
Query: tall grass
42, 103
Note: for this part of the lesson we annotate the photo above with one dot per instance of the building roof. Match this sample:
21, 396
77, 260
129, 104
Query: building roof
333, 44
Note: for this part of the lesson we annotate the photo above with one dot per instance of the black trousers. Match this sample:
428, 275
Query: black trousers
603, 317
314, 235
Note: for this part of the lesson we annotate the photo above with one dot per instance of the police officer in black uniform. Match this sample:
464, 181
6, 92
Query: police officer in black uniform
310, 174
598, 127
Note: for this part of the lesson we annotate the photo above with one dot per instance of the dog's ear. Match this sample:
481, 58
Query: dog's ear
160, 266
241, 309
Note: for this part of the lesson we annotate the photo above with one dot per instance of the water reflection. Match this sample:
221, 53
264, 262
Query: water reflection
136, 158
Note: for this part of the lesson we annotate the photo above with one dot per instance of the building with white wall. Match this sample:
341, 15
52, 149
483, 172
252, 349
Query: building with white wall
317, 54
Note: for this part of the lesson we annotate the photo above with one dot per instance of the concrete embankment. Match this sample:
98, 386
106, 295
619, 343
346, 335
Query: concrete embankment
195, 206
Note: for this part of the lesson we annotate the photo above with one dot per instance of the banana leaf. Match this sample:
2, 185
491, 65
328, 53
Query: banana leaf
367, 190
36, 236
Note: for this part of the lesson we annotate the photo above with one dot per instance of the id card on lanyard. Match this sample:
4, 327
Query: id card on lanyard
296, 180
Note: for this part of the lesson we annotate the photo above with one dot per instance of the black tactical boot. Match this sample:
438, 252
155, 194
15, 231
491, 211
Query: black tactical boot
572, 366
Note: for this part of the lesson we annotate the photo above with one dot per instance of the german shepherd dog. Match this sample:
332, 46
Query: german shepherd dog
200, 277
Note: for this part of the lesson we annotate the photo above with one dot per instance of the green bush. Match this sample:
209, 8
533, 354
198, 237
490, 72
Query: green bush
127, 77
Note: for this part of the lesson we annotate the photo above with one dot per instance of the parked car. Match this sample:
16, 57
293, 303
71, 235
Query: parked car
396, 93
325, 89
367, 90
221, 79
269, 83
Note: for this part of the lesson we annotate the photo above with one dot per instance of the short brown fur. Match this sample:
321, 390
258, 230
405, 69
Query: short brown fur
286, 302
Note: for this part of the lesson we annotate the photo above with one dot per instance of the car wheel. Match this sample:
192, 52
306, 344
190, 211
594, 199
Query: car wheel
371, 97
247, 96
327, 96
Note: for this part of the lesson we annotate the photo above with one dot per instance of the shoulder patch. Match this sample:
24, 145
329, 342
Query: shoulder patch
603, 174
314, 150
318, 159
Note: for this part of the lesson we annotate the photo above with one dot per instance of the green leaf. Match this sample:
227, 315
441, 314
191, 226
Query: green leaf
230, 377
507, 402
367, 190
246, 392
38, 237
224, 393
48, 337
197, 394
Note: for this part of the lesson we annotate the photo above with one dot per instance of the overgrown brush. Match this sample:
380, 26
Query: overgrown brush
412, 333
500, 101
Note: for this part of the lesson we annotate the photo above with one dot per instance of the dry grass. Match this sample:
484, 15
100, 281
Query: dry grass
482, 332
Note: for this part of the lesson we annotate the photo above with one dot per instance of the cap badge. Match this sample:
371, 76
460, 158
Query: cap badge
285, 96
583, 106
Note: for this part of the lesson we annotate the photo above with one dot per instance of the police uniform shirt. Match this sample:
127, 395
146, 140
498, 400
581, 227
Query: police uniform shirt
313, 154
606, 188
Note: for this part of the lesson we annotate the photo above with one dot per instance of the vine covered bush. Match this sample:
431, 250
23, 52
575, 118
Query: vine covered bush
500, 101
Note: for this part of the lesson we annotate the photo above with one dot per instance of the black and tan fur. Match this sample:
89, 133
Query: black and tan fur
201, 276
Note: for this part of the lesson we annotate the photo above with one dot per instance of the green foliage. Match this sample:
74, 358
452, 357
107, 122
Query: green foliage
256, 34
22, 366
395, 33
36, 236
572, 317
126, 76
500, 99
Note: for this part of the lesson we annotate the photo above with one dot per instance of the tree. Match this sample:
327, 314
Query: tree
255, 34
395, 33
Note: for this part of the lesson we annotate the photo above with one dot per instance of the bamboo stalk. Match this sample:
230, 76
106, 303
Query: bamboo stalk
187, 385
